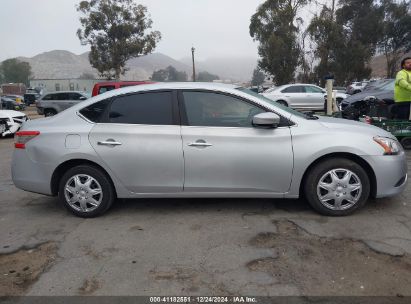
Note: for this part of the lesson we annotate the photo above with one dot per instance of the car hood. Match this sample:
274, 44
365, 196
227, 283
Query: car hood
352, 126
360, 96
10, 113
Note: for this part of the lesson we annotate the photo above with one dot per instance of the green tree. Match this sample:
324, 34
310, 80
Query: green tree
325, 34
396, 38
169, 74
116, 32
275, 27
258, 77
206, 77
13, 70
360, 22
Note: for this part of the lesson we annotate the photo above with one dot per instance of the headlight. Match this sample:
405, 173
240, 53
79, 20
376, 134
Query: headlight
390, 146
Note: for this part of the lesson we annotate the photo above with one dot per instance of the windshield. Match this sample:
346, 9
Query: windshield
388, 86
270, 89
259, 96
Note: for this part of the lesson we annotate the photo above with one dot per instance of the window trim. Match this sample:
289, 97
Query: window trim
175, 116
284, 122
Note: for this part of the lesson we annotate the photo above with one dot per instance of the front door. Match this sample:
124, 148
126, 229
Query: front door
223, 152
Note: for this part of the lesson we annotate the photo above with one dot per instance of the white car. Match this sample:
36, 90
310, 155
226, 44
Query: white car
10, 121
356, 87
301, 96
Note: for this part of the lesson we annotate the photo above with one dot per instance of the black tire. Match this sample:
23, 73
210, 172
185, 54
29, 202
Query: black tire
49, 112
406, 143
283, 102
320, 170
107, 191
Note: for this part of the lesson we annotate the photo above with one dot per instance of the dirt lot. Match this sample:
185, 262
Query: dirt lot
255, 247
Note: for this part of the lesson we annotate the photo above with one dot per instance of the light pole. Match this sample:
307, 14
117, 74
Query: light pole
194, 67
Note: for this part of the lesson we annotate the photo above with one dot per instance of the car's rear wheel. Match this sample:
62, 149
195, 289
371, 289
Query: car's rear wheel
337, 187
49, 112
86, 191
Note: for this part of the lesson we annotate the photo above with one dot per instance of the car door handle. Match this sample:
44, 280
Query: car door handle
199, 143
109, 143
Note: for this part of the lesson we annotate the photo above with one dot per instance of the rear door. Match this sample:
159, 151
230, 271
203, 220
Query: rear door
139, 139
296, 95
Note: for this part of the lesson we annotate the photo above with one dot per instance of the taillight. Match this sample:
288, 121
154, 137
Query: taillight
22, 137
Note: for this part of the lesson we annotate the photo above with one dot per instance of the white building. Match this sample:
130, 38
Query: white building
51, 85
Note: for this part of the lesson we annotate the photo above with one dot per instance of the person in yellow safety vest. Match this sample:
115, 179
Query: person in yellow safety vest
402, 90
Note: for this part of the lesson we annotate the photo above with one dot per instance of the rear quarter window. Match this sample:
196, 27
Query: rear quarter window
95, 111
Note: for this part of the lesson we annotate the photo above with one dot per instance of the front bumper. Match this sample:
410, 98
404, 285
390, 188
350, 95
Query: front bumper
391, 173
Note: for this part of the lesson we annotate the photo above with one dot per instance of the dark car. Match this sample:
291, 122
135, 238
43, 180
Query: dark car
375, 102
30, 98
12, 102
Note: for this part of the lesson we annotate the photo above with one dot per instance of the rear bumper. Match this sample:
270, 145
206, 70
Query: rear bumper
30, 175
391, 174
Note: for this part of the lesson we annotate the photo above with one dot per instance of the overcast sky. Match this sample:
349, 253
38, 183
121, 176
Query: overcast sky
216, 28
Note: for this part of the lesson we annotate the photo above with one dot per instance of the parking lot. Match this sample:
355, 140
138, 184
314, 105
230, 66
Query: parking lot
182, 247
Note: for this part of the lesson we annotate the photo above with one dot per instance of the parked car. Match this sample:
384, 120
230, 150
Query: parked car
377, 84
31, 98
10, 121
381, 99
102, 87
203, 140
13, 102
300, 96
338, 89
53, 103
356, 87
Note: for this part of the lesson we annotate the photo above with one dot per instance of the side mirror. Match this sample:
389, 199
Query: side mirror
267, 120
82, 98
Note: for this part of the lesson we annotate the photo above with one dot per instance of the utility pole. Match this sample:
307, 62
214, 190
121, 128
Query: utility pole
194, 67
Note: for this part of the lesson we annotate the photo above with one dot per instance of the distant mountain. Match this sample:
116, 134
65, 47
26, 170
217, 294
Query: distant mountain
60, 64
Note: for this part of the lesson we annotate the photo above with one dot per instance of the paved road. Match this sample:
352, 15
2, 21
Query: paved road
200, 247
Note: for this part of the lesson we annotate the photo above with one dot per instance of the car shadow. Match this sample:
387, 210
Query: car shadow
208, 204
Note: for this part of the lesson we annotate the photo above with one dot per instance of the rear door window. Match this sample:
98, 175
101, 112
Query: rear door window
74, 96
62, 96
293, 89
153, 108
95, 111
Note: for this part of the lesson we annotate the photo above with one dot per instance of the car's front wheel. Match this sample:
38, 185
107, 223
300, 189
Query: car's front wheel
86, 191
337, 186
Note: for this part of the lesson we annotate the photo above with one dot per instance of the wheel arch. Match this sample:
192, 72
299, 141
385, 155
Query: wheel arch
353, 157
63, 167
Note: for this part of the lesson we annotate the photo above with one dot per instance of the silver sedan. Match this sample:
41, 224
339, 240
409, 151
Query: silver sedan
203, 140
